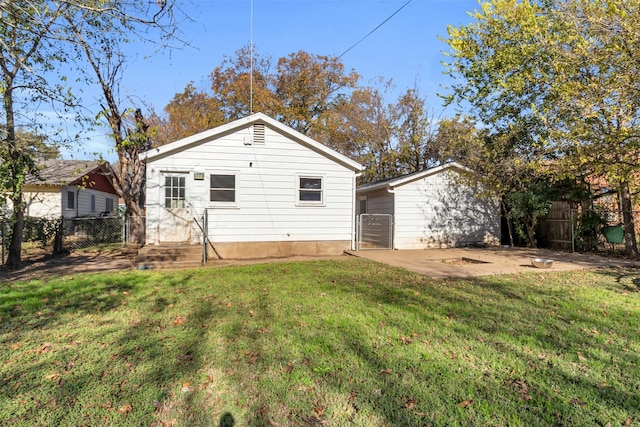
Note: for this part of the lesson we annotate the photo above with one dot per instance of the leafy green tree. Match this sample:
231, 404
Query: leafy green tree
414, 132
97, 29
360, 126
238, 91
188, 113
565, 72
299, 92
526, 207
306, 87
26, 55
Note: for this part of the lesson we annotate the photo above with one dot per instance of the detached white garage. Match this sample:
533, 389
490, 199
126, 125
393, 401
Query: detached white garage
434, 208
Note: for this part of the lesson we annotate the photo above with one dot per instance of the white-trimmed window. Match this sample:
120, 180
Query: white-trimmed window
71, 200
222, 188
109, 205
175, 192
93, 203
310, 190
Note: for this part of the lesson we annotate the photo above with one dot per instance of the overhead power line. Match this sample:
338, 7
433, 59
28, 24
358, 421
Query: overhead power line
374, 30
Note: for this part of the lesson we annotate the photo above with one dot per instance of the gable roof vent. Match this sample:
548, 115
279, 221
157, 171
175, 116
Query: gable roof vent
258, 133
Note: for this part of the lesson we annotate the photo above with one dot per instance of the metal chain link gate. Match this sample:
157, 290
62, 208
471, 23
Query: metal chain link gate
375, 231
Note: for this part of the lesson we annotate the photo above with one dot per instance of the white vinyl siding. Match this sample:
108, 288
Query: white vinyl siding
380, 202
52, 201
442, 211
267, 190
46, 203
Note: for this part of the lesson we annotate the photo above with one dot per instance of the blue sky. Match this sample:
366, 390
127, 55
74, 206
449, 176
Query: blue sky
405, 49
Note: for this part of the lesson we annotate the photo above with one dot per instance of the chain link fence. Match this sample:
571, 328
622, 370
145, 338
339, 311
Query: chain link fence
55, 235
375, 231
82, 233
133, 230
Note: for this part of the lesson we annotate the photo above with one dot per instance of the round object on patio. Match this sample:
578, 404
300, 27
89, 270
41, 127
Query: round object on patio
541, 262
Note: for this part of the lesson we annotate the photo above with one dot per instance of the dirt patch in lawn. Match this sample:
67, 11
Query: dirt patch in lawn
37, 264
469, 262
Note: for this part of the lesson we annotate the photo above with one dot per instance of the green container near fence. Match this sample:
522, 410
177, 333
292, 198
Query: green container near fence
614, 234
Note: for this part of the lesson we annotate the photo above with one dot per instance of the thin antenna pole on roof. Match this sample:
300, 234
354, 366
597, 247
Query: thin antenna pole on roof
251, 57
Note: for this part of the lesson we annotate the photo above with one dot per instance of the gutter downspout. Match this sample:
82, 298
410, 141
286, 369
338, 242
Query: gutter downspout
393, 217
353, 210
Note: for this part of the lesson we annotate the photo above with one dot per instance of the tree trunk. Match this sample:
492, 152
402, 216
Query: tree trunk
14, 257
506, 216
631, 248
531, 231
58, 240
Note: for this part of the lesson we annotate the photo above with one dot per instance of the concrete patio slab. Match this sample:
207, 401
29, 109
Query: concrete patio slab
469, 262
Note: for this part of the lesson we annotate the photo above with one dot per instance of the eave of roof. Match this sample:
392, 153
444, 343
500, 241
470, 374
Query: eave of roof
58, 172
405, 179
222, 130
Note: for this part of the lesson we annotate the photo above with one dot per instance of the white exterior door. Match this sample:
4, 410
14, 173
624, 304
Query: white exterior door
175, 217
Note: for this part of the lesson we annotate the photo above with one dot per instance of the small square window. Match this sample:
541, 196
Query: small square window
310, 190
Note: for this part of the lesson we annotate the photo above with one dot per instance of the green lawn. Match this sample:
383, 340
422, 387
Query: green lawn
347, 342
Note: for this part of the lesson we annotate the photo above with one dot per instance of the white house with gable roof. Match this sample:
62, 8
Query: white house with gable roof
256, 188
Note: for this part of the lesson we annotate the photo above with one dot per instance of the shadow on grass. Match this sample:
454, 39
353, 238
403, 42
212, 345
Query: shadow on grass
341, 342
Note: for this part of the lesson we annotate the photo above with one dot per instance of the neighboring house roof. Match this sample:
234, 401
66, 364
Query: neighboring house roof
401, 180
66, 172
225, 129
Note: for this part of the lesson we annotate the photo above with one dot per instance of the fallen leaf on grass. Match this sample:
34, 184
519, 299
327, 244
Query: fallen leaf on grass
186, 387
523, 388
409, 403
179, 320
250, 312
318, 410
125, 409
15, 346
578, 402
406, 340
44, 347
252, 357
52, 377
385, 371
465, 403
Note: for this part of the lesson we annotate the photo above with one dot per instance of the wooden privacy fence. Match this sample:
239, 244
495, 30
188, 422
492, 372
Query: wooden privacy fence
556, 229
560, 229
